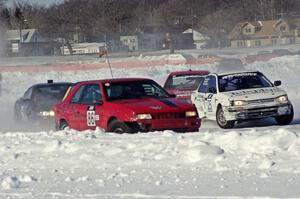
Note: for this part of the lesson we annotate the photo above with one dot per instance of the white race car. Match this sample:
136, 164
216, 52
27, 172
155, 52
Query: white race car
238, 97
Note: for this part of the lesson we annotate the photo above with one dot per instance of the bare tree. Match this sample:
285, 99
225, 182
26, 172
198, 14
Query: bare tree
100, 19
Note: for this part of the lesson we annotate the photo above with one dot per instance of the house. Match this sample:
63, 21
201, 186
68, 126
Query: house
27, 42
154, 37
151, 37
83, 48
151, 41
181, 40
131, 41
265, 33
200, 40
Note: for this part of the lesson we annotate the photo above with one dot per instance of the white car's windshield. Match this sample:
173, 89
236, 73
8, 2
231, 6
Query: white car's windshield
240, 81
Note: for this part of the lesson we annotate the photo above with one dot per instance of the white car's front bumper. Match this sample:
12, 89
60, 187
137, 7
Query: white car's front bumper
255, 112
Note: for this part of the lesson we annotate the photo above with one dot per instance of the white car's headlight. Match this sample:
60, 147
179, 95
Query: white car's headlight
47, 113
143, 117
282, 99
190, 114
239, 103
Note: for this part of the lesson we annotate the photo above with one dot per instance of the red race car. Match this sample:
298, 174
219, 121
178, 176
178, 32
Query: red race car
184, 83
126, 105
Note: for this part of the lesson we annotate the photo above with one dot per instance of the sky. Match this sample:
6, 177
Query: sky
40, 2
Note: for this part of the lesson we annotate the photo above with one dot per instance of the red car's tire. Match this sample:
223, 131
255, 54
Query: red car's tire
117, 126
63, 125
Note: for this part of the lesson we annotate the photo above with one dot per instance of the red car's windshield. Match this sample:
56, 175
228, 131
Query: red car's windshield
184, 82
133, 90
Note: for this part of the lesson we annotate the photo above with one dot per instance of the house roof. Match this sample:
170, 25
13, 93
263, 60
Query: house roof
256, 23
265, 28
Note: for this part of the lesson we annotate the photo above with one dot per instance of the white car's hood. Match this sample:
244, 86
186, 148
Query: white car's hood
254, 94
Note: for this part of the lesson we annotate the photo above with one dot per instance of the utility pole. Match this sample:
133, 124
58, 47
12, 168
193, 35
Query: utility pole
0, 84
20, 17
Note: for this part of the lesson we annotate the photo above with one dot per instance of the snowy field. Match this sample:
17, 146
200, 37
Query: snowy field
257, 160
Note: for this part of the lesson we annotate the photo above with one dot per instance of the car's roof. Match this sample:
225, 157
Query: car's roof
236, 72
52, 84
114, 80
190, 72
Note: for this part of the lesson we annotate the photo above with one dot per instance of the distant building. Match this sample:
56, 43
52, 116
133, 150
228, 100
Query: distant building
151, 41
154, 37
131, 41
265, 33
27, 42
199, 39
83, 48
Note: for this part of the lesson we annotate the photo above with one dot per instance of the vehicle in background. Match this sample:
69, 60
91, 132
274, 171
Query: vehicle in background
229, 64
237, 97
126, 105
38, 100
184, 83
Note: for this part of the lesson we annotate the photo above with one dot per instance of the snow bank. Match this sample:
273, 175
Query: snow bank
182, 165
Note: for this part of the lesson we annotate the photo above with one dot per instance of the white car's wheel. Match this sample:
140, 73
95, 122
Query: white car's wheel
221, 120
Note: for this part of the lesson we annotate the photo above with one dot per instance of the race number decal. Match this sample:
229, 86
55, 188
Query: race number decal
91, 116
209, 105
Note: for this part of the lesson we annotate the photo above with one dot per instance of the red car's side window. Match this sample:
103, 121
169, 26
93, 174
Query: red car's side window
77, 95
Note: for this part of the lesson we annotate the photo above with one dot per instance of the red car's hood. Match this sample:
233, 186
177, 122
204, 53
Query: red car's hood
153, 105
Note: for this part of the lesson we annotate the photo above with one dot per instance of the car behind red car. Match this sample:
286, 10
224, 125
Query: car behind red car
184, 83
125, 105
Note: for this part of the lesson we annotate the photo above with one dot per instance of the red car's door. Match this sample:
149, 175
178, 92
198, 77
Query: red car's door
76, 109
78, 116
90, 107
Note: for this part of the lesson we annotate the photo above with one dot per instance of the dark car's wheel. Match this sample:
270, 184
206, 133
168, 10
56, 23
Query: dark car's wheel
221, 120
63, 125
17, 116
285, 119
21, 114
117, 126
26, 113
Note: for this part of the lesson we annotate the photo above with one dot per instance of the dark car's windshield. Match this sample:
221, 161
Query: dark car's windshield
133, 90
240, 81
50, 93
184, 82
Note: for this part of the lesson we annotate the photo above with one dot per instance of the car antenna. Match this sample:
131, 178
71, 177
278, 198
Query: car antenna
104, 51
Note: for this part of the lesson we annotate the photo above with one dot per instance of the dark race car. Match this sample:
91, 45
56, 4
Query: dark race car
184, 83
124, 105
37, 102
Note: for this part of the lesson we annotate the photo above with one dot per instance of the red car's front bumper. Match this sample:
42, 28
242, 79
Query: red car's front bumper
182, 125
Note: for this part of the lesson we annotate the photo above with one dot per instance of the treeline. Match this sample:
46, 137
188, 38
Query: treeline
100, 19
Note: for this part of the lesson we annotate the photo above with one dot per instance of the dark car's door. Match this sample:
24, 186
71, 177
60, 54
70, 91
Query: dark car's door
24, 105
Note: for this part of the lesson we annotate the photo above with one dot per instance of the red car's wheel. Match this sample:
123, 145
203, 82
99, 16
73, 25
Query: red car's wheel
117, 126
63, 125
